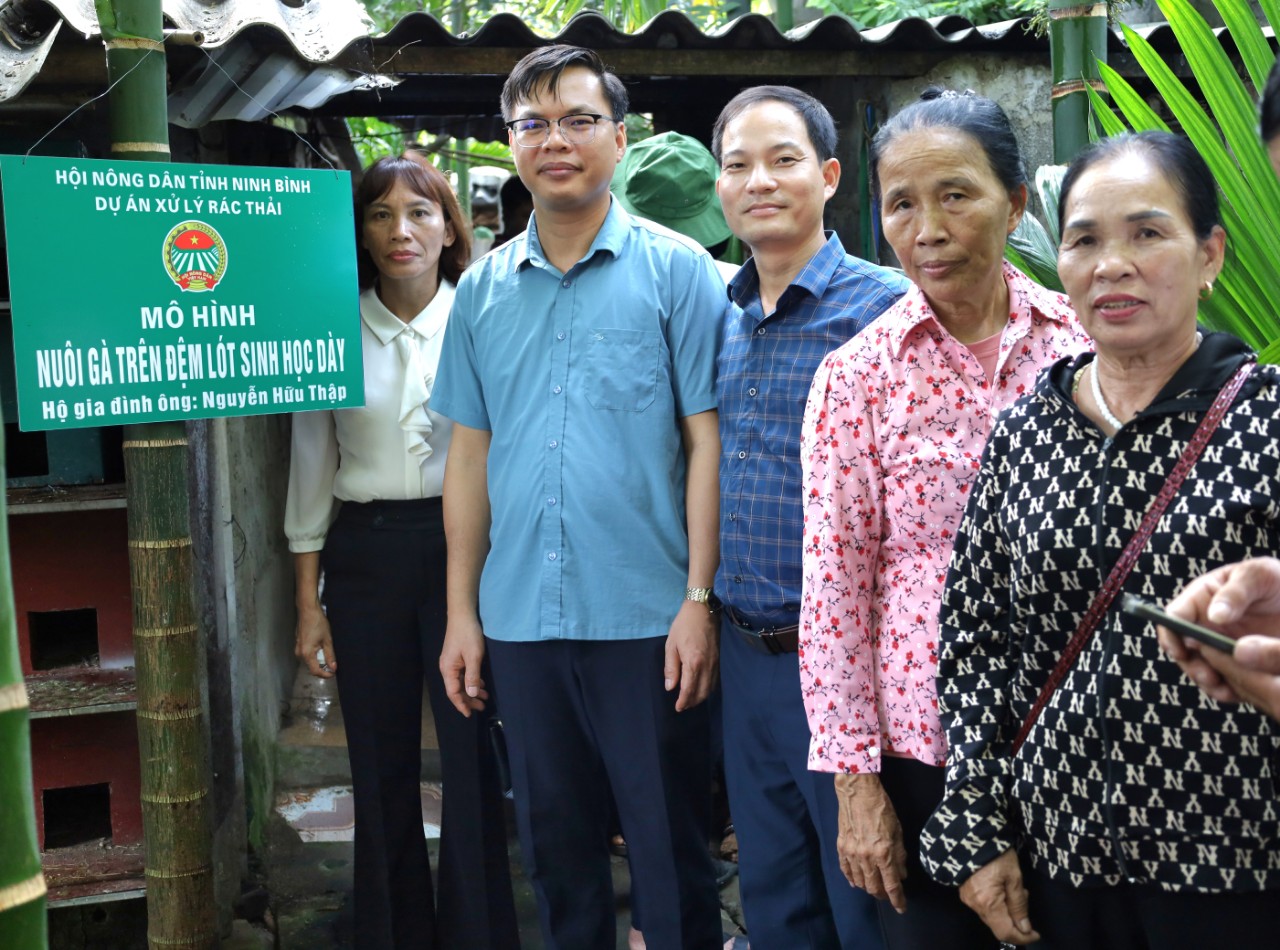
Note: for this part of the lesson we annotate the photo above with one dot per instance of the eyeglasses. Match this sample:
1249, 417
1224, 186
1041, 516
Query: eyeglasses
577, 129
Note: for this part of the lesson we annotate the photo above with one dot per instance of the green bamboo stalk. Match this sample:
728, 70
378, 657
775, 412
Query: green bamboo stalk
171, 735
783, 15
23, 922
1077, 41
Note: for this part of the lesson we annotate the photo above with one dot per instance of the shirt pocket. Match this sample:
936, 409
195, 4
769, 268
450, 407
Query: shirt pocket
622, 368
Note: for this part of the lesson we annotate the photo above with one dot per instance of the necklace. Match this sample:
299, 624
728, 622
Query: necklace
1094, 387
1107, 415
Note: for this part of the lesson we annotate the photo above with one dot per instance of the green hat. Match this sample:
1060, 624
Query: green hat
671, 178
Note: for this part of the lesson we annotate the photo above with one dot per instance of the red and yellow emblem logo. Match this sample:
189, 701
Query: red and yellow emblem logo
195, 256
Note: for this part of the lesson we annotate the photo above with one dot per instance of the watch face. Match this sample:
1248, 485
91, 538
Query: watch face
703, 595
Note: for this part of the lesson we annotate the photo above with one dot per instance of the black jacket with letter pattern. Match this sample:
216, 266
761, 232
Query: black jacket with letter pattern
1130, 772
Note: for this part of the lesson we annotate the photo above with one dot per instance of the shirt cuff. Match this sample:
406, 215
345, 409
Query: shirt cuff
850, 753
966, 832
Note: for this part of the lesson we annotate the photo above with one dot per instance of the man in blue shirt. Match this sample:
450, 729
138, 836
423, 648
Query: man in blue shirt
580, 505
798, 297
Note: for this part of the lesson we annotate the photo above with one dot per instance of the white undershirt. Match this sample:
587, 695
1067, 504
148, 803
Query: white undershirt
394, 447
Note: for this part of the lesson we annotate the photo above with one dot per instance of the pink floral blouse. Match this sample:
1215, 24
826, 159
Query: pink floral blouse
892, 439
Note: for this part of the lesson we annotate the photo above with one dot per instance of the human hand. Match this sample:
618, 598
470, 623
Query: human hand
996, 893
311, 636
692, 657
1243, 601
460, 660
872, 855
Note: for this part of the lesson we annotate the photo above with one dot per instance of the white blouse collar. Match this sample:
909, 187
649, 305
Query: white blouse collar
386, 326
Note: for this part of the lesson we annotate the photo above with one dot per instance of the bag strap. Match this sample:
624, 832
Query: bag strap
1129, 556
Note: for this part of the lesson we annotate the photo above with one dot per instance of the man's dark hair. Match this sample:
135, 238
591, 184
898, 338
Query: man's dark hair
817, 120
541, 70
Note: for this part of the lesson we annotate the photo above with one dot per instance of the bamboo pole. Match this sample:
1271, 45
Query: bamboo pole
1077, 40
23, 923
171, 733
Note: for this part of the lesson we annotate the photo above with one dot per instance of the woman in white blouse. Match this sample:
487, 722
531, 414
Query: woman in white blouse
364, 507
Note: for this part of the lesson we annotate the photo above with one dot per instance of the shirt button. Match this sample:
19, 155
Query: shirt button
742, 455
551, 555
761, 331
556, 389
751, 391
566, 282
552, 444
737, 578
551, 501
873, 751
560, 335
733, 516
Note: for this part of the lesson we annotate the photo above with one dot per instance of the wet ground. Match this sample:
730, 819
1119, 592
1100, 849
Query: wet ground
306, 872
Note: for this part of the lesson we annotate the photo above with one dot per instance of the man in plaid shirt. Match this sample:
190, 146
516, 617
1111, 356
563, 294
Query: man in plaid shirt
799, 297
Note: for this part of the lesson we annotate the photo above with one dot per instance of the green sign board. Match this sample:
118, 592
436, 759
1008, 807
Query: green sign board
144, 292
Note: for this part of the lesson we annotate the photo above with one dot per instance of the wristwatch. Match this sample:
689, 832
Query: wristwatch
703, 595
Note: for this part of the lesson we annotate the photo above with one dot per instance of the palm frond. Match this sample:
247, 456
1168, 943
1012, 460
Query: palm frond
1034, 252
1224, 130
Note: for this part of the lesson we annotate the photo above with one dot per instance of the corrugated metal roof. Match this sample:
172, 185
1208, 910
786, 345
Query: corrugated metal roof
672, 29
290, 70
317, 29
264, 56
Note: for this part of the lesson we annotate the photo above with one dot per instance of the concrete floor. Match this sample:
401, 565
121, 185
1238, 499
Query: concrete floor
307, 868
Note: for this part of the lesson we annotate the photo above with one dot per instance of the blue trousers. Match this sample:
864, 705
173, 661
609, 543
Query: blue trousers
584, 720
794, 896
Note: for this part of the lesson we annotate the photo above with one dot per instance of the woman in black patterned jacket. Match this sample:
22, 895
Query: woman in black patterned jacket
1145, 814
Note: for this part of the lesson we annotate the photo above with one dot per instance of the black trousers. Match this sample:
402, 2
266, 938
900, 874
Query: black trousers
1144, 917
586, 719
384, 592
935, 917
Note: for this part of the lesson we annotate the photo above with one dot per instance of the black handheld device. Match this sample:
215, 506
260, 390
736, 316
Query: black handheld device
1132, 604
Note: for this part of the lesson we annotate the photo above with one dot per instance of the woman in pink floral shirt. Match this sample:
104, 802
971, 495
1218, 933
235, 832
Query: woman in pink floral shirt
894, 430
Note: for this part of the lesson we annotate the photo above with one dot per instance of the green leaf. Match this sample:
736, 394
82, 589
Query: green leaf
1250, 302
1031, 250
1049, 188
1233, 108
562, 9
1137, 113
1247, 300
1270, 12
1255, 51
1271, 353
1110, 123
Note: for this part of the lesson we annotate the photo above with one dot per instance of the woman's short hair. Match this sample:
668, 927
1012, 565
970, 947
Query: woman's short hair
422, 178
1177, 159
817, 120
980, 118
1271, 104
